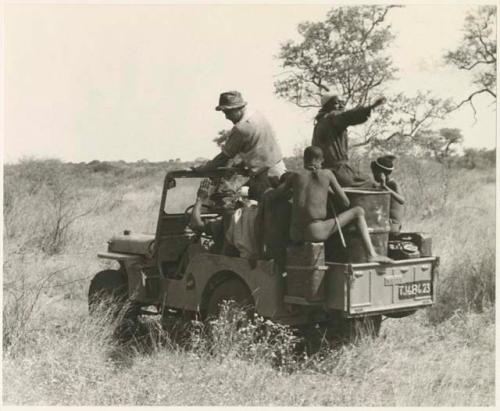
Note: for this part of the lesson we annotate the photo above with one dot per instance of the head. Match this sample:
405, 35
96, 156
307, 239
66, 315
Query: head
330, 102
313, 156
234, 114
382, 165
231, 103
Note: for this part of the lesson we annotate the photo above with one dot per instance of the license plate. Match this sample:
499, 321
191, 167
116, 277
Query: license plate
414, 289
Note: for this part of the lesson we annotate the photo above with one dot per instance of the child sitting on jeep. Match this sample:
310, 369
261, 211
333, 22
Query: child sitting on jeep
382, 168
310, 188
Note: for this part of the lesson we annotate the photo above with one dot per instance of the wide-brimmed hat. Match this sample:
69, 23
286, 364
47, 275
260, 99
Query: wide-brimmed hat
230, 100
325, 98
385, 162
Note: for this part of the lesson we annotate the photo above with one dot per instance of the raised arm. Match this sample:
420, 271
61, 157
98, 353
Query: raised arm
220, 160
354, 116
196, 222
337, 190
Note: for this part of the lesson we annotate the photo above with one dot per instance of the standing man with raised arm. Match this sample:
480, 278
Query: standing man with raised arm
330, 134
252, 138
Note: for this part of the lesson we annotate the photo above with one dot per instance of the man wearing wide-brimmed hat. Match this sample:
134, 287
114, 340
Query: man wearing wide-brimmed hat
252, 138
330, 134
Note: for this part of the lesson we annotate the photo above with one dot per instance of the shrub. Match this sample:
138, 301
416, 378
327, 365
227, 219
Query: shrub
43, 201
234, 335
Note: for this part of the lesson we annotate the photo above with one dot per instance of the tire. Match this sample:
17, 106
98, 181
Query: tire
108, 287
401, 314
355, 328
337, 331
232, 289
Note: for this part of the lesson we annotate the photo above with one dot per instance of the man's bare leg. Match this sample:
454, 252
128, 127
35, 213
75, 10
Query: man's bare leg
357, 214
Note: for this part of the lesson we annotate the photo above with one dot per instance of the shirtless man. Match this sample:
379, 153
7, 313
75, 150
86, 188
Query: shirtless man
310, 188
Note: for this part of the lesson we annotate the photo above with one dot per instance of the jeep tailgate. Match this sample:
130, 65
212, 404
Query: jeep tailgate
359, 289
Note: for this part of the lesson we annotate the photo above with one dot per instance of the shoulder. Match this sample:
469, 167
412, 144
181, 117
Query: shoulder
328, 174
250, 120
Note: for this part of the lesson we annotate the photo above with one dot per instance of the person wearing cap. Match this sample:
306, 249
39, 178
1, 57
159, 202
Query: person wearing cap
382, 168
330, 134
252, 138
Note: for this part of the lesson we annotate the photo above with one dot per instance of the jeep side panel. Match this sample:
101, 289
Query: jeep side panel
266, 285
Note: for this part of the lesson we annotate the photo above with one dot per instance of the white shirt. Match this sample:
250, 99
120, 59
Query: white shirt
241, 231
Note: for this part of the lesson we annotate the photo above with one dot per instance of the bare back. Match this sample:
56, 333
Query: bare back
310, 193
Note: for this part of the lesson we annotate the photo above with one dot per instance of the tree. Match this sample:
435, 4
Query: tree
221, 138
403, 123
477, 53
440, 145
345, 54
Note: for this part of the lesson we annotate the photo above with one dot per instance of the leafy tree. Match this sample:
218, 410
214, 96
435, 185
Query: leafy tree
441, 144
404, 123
221, 138
477, 52
478, 158
345, 54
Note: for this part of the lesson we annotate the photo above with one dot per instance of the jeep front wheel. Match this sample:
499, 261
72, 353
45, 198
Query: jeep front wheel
108, 290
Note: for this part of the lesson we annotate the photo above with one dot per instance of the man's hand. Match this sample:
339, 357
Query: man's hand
379, 102
203, 190
383, 180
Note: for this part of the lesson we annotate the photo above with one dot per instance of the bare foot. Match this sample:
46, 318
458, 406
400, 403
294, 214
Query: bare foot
379, 259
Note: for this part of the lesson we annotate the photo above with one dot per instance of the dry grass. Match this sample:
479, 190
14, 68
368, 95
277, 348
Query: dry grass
54, 354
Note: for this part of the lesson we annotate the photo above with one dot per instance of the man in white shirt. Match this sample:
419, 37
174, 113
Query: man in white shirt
252, 138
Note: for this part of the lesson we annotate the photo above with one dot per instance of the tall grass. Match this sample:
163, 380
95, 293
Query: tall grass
412, 364
54, 354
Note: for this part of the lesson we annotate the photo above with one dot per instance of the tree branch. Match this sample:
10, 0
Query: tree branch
469, 100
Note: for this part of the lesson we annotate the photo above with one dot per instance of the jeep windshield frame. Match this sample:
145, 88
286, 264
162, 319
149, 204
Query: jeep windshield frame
226, 172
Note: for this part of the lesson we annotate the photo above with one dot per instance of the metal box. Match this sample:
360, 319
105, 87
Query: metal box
358, 289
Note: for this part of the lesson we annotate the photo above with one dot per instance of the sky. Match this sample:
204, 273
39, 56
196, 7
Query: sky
135, 81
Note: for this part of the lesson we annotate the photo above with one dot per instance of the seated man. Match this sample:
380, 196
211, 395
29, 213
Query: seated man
273, 225
214, 227
234, 231
243, 229
310, 188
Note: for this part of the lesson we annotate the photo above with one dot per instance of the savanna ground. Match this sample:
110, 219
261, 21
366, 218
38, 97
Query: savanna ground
58, 216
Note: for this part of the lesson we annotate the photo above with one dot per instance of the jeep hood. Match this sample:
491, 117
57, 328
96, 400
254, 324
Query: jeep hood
139, 244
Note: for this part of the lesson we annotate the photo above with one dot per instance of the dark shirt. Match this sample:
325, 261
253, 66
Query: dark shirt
275, 217
330, 133
215, 229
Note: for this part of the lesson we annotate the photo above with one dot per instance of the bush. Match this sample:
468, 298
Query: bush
234, 335
43, 201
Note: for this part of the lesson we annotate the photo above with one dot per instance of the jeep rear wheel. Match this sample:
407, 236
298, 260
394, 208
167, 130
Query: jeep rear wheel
401, 314
230, 290
354, 328
108, 290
